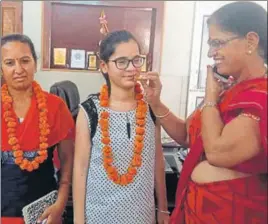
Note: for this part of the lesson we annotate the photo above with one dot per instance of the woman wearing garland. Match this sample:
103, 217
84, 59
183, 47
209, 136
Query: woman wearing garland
33, 123
116, 171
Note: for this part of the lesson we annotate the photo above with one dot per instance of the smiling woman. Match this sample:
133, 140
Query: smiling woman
33, 123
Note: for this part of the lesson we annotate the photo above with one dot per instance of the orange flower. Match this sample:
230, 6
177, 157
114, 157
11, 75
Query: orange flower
140, 122
111, 170
103, 97
136, 161
11, 124
13, 141
7, 114
10, 119
139, 138
129, 178
107, 149
105, 134
6, 106
35, 165
123, 180
104, 103
137, 88
16, 147
45, 132
103, 122
107, 160
43, 146
11, 135
105, 140
106, 165
22, 166
104, 114
18, 160
11, 130
140, 115
42, 152
132, 171
42, 105
140, 131
29, 167
139, 96
18, 153
43, 139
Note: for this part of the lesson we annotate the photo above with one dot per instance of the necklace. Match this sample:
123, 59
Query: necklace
136, 162
10, 119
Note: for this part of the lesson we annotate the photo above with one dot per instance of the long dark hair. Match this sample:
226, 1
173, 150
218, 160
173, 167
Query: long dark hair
108, 46
241, 18
22, 39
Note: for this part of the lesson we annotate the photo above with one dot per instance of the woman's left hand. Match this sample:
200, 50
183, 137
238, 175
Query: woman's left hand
52, 214
162, 218
213, 86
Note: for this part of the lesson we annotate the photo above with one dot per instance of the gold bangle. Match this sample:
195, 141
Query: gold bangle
165, 212
208, 104
163, 116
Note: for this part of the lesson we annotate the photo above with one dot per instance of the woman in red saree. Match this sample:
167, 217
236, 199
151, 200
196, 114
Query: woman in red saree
33, 123
224, 177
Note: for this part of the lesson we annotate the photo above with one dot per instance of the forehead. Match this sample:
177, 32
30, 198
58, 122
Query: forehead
215, 32
15, 49
126, 49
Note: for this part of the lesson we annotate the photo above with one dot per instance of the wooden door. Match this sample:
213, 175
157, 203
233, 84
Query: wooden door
11, 13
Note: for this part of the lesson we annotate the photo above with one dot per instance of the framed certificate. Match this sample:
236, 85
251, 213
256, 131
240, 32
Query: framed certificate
91, 60
59, 56
77, 59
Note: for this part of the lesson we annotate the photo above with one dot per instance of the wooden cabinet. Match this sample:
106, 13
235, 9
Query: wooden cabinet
11, 17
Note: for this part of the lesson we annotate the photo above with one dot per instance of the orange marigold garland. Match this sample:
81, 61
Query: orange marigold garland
10, 119
136, 162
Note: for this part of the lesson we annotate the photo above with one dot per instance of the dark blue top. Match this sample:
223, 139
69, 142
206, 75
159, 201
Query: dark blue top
19, 187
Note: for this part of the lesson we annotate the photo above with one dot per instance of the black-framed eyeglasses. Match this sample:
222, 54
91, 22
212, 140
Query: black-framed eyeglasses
123, 62
218, 44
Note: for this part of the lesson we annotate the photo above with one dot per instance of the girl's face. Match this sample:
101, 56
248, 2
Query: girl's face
124, 64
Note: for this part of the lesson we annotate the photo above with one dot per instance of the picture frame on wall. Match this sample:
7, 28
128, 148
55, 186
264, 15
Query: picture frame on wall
59, 56
77, 59
92, 61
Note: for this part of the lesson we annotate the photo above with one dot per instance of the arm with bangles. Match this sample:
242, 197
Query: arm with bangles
81, 164
175, 127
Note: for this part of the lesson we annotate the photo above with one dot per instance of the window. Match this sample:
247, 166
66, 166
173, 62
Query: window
73, 28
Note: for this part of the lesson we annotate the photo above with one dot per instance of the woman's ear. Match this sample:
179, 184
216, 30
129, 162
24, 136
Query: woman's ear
252, 41
103, 67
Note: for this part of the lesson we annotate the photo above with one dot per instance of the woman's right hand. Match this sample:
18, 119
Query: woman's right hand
152, 87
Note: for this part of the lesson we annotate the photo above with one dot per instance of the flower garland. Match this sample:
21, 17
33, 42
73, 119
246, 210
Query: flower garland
10, 119
112, 173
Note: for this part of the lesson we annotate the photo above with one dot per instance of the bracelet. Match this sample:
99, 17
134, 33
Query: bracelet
65, 182
163, 116
165, 212
208, 104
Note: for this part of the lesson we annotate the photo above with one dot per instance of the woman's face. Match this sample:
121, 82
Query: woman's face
18, 65
120, 74
228, 50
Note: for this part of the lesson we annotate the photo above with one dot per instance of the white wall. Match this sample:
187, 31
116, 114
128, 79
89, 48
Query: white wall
175, 54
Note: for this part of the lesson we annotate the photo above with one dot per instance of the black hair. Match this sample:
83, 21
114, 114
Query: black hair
108, 46
22, 39
241, 18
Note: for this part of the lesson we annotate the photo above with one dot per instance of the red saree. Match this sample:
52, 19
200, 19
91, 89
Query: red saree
193, 205
61, 128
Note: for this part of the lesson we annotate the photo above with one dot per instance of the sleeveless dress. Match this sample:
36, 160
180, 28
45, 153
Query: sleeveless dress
107, 202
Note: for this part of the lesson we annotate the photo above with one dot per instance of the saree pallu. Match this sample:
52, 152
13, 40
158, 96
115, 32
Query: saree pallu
250, 95
238, 201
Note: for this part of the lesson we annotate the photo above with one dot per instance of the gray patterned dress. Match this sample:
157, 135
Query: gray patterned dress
106, 202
